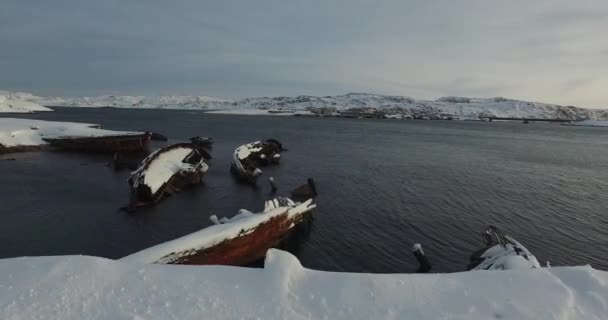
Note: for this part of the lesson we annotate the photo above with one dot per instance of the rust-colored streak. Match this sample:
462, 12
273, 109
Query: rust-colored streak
246, 248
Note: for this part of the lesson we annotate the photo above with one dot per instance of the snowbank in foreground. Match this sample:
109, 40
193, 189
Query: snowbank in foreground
27, 132
79, 287
17, 102
589, 123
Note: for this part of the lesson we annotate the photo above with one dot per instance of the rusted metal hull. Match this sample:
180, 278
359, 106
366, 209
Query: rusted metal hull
141, 197
243, 175
11, 149
250, 246
121, 143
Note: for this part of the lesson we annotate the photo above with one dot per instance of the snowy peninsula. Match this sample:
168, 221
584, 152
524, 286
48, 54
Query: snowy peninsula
29, 134
19, 102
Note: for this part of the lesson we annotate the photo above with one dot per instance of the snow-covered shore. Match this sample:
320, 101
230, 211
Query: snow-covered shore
81, 287
589, 123
30, 133
256, 112
19, 102
462, 108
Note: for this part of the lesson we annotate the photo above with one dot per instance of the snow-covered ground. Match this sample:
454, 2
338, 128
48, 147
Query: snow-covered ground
589, 123
19, 102
457, 107
82, 287
27, 132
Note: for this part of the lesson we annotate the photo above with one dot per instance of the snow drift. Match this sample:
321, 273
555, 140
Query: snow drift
81, 287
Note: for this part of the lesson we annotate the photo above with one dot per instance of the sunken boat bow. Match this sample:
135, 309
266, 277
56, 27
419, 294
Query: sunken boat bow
248, 158
237, 241
167, 171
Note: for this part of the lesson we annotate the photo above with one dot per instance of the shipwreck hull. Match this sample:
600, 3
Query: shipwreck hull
239, 241
501, 253
190, 166
248, 248
120, 143
248, 158
13, 149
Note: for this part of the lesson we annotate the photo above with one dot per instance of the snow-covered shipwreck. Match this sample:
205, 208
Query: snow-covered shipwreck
248, 158
167, 171
500, 252
240, 240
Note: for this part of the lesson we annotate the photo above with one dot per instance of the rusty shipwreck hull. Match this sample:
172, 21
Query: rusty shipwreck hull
238, 241
119, 143
249, 247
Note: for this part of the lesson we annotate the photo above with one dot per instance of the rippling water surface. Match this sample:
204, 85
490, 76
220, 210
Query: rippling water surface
383, 186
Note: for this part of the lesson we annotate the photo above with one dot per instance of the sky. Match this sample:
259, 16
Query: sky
548, 51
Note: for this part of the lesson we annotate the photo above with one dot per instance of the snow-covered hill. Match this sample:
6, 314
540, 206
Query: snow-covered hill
80, 287
19, 102
457, 107
157, 102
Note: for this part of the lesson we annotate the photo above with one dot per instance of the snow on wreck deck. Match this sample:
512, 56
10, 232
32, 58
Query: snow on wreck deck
223, 231
162, 168
82, 287
27, 133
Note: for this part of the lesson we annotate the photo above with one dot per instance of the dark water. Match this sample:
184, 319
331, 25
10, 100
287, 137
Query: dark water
383, 186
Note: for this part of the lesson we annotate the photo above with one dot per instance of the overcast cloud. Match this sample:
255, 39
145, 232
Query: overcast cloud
550, 51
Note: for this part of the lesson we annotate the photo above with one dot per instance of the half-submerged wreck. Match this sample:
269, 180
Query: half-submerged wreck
124, 142
247, 159
237, 241
203, 142
167, 171
502, 253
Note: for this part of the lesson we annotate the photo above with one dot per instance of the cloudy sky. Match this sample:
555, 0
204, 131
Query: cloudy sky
550, 51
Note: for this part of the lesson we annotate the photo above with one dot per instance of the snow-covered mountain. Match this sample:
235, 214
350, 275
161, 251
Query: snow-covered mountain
457, 107
156, 102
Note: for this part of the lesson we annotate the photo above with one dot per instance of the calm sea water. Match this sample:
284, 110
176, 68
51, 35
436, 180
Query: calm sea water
383, 186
